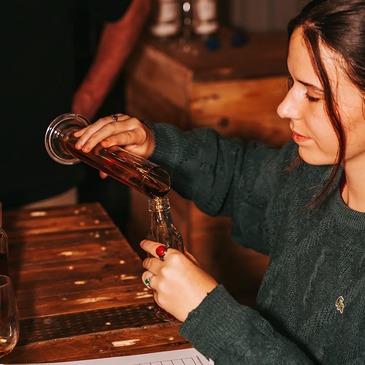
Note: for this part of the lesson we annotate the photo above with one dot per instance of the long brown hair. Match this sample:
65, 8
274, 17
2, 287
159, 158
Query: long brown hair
338, 25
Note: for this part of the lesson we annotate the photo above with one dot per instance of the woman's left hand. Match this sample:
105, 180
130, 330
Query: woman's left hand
179, 284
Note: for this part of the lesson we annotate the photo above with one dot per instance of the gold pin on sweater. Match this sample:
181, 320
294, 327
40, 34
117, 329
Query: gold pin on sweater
340, 305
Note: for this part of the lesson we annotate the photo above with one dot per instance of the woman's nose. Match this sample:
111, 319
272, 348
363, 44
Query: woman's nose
288, 108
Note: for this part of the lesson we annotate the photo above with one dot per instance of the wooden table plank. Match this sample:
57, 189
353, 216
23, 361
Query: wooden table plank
79, 289
122, 342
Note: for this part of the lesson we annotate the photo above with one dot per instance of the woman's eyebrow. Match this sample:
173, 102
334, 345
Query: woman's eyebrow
313, 87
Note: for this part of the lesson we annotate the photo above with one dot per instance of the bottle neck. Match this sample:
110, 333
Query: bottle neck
159, 209
159, 204
162, 228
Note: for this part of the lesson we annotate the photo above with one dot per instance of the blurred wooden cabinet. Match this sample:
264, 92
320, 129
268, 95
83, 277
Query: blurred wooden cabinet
234, 90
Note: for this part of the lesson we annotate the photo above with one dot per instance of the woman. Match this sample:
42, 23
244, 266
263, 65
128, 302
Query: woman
304, 205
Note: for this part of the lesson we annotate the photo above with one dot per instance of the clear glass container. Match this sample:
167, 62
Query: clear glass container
166, 18
9, 317
162, 230
187, 20
132, 170
4, 250
4, 253
205, 17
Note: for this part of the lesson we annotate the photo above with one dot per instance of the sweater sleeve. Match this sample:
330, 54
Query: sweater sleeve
223, 177
230, 333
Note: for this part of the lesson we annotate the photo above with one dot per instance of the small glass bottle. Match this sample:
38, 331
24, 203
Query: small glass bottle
4, 250
129, 169
205, 21
187, 20
163, 230
4, 253
166, 18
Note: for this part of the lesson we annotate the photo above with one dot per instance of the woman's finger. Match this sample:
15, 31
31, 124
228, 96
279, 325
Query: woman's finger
147, 278
96, 133
155, 249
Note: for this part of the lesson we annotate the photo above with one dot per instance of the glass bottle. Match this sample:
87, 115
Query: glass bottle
4, 250
187, 20
185, 43
166, 18
9, 317
129, 169
162, 230
205, 21
4, 253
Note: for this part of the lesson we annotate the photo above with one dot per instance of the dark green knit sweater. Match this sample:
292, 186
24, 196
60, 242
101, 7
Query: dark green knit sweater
317, 255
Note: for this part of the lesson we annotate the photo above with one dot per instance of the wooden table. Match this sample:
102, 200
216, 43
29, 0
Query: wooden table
79, 290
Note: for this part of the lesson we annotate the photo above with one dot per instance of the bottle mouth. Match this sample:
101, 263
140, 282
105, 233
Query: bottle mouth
56, 131
157, 183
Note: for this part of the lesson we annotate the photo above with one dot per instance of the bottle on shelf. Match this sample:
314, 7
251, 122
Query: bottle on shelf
205, 21
187, 19
162, 230
166, 21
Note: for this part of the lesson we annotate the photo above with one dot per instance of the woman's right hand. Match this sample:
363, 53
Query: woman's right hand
126, 132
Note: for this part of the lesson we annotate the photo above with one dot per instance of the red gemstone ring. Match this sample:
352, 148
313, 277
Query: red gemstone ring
161, 252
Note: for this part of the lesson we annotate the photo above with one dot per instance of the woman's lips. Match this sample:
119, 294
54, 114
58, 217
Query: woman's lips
299, 138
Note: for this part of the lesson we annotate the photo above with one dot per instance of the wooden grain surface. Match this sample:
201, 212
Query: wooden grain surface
78, 288
264, 54
235, 90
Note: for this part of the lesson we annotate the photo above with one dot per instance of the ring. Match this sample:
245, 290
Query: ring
161, 252
114, 117
147, 282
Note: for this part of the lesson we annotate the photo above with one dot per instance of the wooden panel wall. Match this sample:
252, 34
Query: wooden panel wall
263, 15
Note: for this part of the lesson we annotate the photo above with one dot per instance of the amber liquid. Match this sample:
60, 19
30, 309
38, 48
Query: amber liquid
132, 170
6, 345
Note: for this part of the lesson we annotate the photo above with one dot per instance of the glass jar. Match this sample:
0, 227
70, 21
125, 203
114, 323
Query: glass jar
166, 18
205, 17
132, 170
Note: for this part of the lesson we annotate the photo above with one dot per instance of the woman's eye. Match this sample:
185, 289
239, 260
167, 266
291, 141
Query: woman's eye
312, 98
290, 82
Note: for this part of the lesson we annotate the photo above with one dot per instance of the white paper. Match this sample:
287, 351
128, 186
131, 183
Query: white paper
188, 356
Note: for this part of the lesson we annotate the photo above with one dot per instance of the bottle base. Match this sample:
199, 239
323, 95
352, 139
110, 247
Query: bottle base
162, 314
